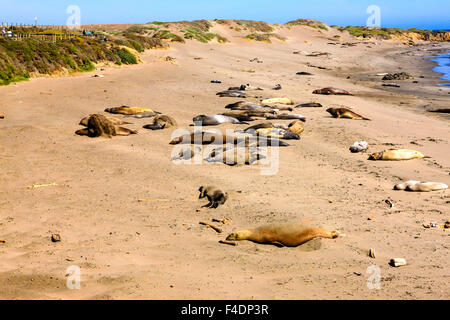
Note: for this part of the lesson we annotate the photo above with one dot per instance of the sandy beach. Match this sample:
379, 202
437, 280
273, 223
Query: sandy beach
156, 248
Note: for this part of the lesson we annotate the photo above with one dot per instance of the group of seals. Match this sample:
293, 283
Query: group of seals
418, 186
345, 113
99, 126
332, 91
397, 154
288, 235
214, 195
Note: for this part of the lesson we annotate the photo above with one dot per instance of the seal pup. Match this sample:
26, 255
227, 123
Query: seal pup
215, 120
114, 121
397, 154
309, 105
100, 126
418, 186
287, 116
277, 100
288, 235
332, 91
214, 195
161, 122
359, 146
128, 110
345, 113
245, 87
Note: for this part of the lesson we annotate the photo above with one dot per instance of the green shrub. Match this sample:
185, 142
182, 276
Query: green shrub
126, 57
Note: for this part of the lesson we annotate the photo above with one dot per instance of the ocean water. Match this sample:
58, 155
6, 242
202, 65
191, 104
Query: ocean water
444, 66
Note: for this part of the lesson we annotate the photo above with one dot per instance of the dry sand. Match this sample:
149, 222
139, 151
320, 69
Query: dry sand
156, 249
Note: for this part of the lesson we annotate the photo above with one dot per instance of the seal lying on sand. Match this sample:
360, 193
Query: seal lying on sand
249, 106
345, 113
332, 91
128, 110
286, 116
205, 137
266, 125
240, 115
309, 105
99, 126
289, 235
277, 133
215, 120
397, 154
440, 110
145, 114
245, 87
277, 100
418, 186
214, 195
232, 94
296, 127
2, 116
114, 121
235, 156
161, 122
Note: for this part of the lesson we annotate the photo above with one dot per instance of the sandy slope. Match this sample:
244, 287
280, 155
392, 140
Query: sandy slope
157, 249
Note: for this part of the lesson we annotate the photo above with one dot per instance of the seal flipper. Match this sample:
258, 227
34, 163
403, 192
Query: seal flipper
155, 126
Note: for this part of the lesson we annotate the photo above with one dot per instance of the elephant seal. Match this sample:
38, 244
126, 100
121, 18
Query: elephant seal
332, 91
128, 110
205, 138
277, 133
418, 186
277, 100
240, 115
114, 121
214, 195
250, 106
161, 122
286, 116
266, 125
397, 154
296, 127
345, 113
440, 110
100, 126
309, 105
145, 114
232, 94
215, 120
245, 87
288, 235
236, 156
2, 116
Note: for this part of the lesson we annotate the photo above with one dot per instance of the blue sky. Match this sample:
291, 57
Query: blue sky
430, 14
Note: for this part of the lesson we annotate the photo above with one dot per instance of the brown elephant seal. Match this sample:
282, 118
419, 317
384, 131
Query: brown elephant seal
161, 122
440, 110
215, 120
332, 91
309, 105
236, 156
266, 125
286, 116
240, 115
100, 126
288, 235
419, 186
277, 133
250, 106
205, 138
232, 94
125, 110
296, 127
397, 154
277, 101
214, 195
345, 113
114, 121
